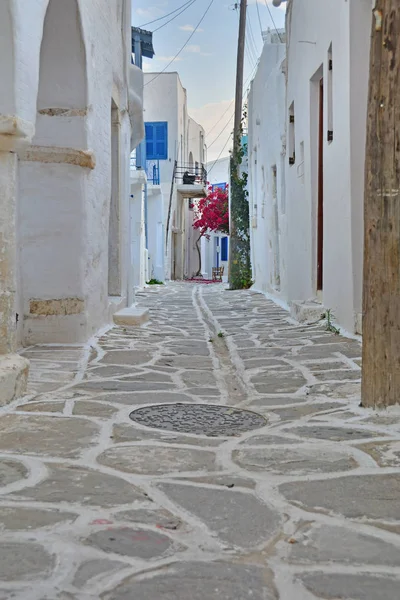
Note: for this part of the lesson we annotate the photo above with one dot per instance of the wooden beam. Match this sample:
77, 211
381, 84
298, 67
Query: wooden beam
381, 289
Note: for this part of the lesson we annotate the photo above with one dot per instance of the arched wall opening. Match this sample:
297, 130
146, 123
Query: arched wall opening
7, 64
53, 178
114, 231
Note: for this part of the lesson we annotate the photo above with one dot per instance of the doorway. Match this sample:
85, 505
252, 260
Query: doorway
174, 255
320, 193
275, 231
114, 238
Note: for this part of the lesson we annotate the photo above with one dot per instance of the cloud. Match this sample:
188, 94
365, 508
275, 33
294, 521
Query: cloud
147, 67
167, 58
189, 28
262, 3
193, 48
151, 12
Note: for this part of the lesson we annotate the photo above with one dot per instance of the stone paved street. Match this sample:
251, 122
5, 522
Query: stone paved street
298, 498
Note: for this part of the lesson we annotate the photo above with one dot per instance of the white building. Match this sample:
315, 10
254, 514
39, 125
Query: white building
215, 247
174, 147
266, 169
320, 208
70, 113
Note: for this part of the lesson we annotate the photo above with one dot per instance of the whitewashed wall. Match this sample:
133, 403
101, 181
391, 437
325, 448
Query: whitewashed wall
73, 59
63, 155
266, 172
314, 26
165, 99
196, 153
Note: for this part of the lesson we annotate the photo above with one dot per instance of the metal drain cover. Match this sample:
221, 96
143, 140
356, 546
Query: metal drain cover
200, 419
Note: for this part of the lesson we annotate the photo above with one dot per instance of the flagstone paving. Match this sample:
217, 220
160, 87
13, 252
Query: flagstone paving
295, 498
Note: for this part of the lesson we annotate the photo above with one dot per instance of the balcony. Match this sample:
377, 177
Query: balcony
153, 172
191, 180
135, 106
152, 169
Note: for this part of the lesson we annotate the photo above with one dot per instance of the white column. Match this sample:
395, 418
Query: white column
13, 368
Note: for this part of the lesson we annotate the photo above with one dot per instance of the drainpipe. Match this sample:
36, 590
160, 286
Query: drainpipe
141, 149
137, 43
146, 232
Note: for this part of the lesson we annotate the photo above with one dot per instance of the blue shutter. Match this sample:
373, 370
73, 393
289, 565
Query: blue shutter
156, 140
224, 249
150, 146
161, 140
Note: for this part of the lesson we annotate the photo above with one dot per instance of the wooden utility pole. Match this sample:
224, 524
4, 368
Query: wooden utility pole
381, 293
239, 246
239, 75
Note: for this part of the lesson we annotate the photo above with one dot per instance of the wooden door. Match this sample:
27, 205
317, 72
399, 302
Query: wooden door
320, 209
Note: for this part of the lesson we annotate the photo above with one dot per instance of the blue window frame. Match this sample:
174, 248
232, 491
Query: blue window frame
224, 249
221, 186
156, 140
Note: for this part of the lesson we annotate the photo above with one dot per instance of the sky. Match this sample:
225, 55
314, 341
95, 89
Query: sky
207, 64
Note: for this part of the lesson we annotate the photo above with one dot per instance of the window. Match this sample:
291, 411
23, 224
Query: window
221, 186
330, 96
292, 142
156, 140
224, 249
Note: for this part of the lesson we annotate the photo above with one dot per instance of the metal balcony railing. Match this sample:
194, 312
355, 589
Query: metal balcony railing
189, 174
152, 169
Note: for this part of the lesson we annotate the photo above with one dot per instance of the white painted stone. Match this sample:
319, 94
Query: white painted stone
306, 312
137, 229
13, 377
313, 27
131, 316
267, 200
165, 99
62, 64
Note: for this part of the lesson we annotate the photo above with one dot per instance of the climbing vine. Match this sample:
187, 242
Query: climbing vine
240, 276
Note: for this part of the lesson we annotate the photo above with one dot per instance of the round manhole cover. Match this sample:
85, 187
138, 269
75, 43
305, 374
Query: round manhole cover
200, 419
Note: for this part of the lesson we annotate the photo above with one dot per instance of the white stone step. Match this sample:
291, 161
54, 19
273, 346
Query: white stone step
132, 316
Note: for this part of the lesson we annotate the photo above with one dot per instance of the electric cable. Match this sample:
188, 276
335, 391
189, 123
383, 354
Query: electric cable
184, 45
175, 17
165, 16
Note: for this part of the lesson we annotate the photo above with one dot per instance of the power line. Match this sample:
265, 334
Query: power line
252, 37
259, 18
184, 45
273, 22
219, 120
219, 155
250, 46
230, 134
220, 133
251, 56
167, 15
173, 18
230, 106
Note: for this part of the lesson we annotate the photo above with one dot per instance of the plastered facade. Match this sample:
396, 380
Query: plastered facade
322, 138
165, 99
71, 110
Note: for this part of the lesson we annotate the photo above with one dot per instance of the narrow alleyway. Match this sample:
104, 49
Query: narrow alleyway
295, 498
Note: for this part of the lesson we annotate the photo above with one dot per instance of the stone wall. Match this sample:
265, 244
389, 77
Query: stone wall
63, 165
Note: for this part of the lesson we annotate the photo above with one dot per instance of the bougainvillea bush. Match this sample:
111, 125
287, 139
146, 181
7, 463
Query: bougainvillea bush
211, 214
